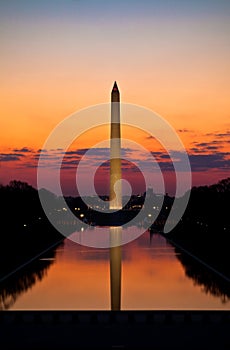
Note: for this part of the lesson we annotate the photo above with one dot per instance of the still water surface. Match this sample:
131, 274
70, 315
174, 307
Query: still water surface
154, 275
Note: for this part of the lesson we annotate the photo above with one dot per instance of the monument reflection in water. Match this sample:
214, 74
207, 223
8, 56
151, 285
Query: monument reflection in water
115, 267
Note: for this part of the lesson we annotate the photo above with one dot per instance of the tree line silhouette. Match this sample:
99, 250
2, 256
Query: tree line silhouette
25, 230
205, 226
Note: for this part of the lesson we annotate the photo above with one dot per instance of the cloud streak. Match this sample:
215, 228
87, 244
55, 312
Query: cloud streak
10, 157
23, 150
204, 156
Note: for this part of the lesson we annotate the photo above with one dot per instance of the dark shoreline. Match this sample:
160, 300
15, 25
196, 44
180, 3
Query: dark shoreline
205, 247
26, 246
181, 245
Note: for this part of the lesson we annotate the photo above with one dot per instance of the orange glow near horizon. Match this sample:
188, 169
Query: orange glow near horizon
29, 117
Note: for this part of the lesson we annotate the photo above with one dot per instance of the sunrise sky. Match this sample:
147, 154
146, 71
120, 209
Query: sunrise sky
59, 56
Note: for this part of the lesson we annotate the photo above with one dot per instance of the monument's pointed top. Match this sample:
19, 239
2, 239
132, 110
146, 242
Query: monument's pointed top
115, 88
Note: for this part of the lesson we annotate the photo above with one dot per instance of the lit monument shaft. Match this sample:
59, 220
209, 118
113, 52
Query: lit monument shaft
115, 196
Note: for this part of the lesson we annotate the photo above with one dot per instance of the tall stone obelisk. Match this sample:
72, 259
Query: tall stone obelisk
115, 196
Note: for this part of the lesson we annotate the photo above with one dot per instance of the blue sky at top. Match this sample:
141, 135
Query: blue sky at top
118, 8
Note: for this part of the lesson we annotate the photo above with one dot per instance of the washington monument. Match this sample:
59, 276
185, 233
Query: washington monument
115, 198
115, 195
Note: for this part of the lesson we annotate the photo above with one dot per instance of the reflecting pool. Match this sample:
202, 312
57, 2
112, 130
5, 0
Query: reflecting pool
147, 273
